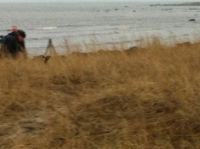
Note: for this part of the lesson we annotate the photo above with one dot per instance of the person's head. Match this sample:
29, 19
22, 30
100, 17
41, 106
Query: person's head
21, 35
14, 28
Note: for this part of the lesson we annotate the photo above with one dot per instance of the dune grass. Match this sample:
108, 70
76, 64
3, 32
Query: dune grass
147, 98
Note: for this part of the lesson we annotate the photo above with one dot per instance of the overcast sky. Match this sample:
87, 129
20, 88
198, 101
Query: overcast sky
159, 1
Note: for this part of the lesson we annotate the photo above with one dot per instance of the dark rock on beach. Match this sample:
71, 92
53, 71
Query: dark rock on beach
133, 48
192, 20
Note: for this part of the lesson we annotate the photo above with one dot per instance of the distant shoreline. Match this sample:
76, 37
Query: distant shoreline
181, 4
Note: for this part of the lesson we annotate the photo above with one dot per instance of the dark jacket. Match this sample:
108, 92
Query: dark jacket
13, 44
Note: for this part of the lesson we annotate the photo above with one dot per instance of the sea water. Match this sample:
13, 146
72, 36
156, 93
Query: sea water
97, 23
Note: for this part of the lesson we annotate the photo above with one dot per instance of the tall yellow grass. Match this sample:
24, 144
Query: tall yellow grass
148, 98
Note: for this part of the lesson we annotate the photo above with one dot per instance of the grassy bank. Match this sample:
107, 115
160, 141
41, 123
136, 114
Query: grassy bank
147, 98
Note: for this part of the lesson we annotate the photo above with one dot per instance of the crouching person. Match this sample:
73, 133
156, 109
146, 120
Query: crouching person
15, 44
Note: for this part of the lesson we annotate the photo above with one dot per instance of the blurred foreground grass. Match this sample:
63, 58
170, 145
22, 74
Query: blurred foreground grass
147, 98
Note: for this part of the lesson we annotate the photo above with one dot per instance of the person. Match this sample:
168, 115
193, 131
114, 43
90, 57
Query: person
15, 43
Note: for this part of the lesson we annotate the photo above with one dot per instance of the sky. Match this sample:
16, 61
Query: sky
158, 1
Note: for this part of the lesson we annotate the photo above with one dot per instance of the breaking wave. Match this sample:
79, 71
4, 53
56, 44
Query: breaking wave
47, 28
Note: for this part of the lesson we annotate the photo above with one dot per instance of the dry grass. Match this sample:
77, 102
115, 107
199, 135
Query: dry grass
137, 99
